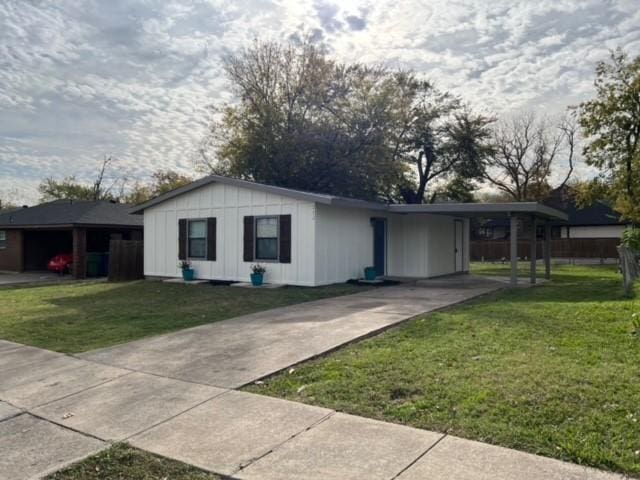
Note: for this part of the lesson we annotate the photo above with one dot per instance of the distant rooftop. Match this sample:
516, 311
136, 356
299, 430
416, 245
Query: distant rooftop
72, 213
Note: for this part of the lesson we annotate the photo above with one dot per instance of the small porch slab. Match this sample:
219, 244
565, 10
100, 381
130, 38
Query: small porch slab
250, 285
181, 280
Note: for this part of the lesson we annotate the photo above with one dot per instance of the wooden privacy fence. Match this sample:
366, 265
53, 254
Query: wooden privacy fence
126, 260
560, 248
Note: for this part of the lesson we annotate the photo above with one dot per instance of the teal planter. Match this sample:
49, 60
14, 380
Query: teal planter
256, 279
370, 273
187, 274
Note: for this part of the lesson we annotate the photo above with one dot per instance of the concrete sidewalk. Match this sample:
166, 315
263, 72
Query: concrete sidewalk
172, 395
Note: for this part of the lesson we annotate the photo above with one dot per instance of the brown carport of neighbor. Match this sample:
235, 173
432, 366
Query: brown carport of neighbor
532, 211
31, 236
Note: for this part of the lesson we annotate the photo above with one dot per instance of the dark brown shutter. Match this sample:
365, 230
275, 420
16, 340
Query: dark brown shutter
248, 239
285, 238
182, 239
211, 238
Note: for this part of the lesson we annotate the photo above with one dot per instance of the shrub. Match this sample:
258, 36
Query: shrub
631, 238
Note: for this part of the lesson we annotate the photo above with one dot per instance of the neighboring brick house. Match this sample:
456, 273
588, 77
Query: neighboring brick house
31, 236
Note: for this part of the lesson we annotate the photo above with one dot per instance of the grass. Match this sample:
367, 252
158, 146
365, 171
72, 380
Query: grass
553, 370
122, 462
74, 318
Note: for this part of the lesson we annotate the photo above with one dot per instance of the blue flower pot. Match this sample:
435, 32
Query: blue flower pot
187, 274
256, 279
370, 273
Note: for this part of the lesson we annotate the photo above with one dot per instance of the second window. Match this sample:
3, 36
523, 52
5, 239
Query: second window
267, 238
197, 239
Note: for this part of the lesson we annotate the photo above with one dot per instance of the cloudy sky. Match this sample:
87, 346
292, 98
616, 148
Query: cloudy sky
132, 78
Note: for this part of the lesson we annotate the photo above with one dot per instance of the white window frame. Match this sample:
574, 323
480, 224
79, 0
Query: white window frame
189, 222
3, 241
255, 239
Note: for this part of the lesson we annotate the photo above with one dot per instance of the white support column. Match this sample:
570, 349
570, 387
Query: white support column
534, 249
513, 233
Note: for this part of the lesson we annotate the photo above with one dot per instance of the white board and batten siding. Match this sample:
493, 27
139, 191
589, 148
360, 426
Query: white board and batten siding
423, 245
344, 243
417, 245
329, 244
229, 205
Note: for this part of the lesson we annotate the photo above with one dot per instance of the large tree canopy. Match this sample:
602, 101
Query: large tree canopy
611, 124
304, 121
525, 150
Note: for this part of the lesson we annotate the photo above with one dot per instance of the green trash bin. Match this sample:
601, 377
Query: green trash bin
93, 264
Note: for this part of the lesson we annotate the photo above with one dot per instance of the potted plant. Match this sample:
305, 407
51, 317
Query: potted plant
257, 274
370, 273
187, 271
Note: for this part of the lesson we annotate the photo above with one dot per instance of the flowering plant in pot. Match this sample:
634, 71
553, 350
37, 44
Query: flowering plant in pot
187, 271
257, 274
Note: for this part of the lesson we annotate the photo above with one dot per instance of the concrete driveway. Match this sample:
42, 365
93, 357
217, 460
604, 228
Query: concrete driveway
235, 352
8, 279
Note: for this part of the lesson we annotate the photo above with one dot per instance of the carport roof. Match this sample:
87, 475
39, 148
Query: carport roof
71, 213
483, 209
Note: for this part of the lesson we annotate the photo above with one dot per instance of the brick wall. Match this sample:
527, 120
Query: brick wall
11, 257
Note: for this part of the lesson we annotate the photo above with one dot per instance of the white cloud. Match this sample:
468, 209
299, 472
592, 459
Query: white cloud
84, 78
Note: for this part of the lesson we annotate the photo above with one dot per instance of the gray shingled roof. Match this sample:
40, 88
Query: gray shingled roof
287, 192
72, 212
462, 209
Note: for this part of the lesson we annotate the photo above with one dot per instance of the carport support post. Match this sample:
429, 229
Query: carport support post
79, 253
534, 249
513, 234
547, 250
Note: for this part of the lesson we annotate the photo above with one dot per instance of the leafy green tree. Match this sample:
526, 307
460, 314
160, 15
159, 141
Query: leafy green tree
304, 121
611, 124
440, 140
163, 181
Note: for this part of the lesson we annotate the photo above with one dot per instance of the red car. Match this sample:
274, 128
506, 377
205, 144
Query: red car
60, 263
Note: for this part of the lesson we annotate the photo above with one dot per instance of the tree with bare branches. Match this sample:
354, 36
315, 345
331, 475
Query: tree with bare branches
72, 189
526, 151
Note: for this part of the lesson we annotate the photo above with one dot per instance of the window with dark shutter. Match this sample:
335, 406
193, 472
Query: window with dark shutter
285, 238
211, 238
267, 238
182, 239
248, 239
197, 239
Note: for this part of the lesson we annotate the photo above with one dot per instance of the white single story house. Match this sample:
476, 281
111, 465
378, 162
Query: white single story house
224, 225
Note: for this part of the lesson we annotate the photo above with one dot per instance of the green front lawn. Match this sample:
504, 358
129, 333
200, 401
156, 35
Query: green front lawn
552, 370
122, 462
74, 318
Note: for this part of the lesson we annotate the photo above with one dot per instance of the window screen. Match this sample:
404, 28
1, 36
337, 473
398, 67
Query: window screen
267, 238
197, 239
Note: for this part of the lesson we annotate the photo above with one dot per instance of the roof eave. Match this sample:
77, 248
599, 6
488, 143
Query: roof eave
479, 209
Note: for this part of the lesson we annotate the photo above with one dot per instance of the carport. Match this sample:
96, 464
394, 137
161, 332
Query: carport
33, 235
533, 213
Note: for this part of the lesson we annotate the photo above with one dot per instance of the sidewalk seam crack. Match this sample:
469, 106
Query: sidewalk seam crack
251, 461
422, 455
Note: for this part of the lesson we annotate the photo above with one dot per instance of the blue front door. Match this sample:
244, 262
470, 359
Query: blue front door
379, 244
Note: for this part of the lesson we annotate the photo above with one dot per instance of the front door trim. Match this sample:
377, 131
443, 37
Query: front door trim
380, 265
